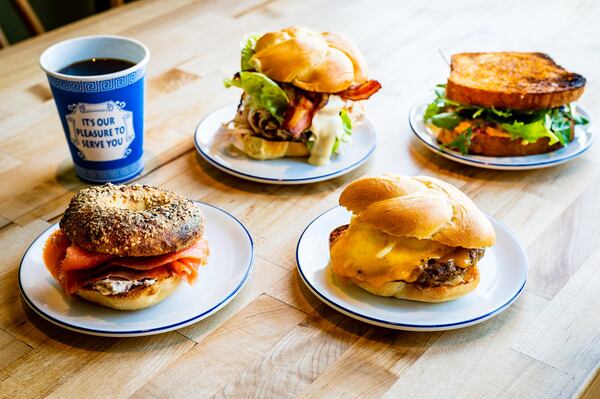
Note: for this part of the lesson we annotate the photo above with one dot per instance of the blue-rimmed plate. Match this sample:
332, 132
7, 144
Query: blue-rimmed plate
503, 272
581, 142
218, 283
209, 143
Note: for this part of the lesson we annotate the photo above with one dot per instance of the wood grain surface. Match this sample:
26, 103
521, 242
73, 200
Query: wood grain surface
276, 340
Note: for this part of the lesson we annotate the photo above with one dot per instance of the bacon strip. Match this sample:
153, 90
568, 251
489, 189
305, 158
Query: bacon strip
301, 111
360, 92
74, 267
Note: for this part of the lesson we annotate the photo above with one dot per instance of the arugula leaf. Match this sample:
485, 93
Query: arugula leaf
579, 120
462, 142
432, 110
248, 44
477, 113
446, 120
503, 114
529, 126
263, 92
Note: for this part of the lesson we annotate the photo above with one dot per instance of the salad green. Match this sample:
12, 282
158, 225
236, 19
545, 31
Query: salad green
263, 92
529, 126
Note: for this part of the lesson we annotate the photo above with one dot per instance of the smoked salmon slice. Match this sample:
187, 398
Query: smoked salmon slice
197, 252
78, 258
55, 250
75, 267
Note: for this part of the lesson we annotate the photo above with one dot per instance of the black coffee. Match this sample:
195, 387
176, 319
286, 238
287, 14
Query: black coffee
96, 66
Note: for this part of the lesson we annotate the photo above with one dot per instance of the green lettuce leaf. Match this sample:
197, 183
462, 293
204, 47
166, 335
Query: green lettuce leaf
346, 122
248, 44
347, 125
533, 131
263, 92
529, 126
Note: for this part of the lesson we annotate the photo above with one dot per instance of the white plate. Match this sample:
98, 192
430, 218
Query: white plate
503, 272
581, 142
284, 170
218, 283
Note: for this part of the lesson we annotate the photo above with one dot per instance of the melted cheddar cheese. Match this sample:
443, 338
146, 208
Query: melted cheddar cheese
488, 129
365, 254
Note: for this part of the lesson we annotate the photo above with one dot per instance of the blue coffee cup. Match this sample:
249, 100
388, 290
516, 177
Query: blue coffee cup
102, 115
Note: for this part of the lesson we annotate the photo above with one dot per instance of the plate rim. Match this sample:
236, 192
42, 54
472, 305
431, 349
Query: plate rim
494, 165
149, 331
413, 327
271, 180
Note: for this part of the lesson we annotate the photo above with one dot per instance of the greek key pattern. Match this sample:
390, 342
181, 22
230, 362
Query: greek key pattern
96, 86
112, 175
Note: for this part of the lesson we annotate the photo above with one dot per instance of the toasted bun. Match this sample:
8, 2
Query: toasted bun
402, 290
325, 62
138, 298
421, 207
259, 148
523, 81
132, 220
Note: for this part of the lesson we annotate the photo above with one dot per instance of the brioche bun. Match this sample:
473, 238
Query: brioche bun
262, 149
413, 292
403, 230
419, 207
135, 299
325, 62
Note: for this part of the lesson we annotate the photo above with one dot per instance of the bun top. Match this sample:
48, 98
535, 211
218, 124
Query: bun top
325, 62
420, 207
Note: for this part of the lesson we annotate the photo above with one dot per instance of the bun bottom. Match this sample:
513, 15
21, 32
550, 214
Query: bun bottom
413, 292
262, 149
138, 298
495, 146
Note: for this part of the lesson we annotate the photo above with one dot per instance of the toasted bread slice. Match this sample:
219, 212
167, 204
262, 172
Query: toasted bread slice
495, 142
521, 81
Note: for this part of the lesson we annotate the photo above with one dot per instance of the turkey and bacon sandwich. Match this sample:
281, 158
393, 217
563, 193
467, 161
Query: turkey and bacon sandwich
505, 104
415, 238
126, 247
301, 94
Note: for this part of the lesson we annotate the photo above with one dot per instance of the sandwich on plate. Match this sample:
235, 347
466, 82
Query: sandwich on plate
505, 104
127, 247
415, 238
301, 94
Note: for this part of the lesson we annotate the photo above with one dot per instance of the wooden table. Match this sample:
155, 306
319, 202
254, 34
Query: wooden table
276, 339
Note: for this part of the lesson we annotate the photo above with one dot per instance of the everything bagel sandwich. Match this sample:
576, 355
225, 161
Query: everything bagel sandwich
126, 247
300, 94
414, 238
505, 104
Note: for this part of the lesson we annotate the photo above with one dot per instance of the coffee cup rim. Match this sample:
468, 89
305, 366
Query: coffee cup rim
90, 78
